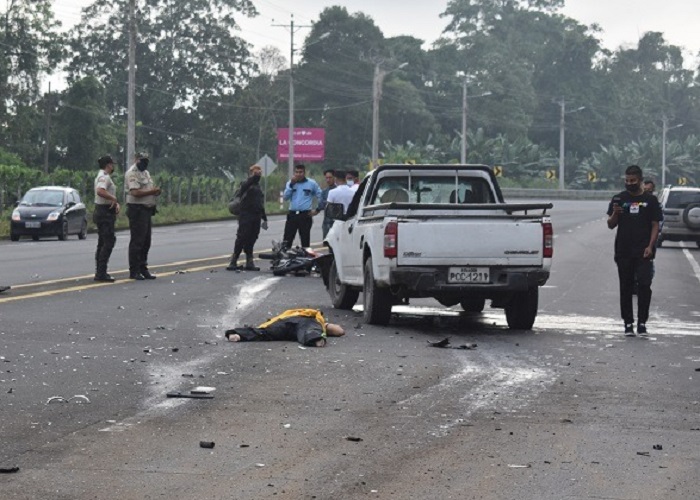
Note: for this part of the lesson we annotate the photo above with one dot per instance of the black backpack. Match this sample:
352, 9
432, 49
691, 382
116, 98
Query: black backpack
234, 206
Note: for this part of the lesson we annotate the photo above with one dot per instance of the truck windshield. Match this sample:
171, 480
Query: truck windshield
432, 189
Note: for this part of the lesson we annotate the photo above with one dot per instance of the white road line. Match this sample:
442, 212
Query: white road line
693, 263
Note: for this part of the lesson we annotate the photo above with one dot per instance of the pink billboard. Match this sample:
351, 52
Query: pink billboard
309, 144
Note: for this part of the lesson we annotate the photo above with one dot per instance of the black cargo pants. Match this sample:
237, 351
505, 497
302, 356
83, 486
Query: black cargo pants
104, 218
247, 234
629, 269
140, 242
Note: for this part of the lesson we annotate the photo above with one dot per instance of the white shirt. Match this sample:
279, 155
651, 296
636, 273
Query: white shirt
341, 194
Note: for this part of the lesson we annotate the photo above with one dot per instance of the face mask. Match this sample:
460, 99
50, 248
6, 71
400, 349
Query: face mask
142, 164
632, 188
350, 182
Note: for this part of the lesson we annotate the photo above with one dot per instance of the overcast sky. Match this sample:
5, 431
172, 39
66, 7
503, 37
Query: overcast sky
623, 21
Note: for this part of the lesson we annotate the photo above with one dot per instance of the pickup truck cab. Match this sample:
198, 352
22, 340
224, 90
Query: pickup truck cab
441, 231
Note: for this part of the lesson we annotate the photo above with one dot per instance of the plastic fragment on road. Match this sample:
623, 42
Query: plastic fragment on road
206, 444
202, 390
8, 470
658, 447
78, 398
189, 395
354, 439
517, 466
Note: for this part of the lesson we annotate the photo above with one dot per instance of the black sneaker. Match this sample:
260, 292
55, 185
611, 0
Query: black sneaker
147, 275
629, 330
234, 267
642, 329
104, 278
136, 276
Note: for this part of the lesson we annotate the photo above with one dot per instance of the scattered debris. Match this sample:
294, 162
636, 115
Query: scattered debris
78, 398
244, 446
516, 466
175, 349
287, 426
260, 465
445, 344
188, 375
354, 439
8, 470
203, 390
658, 447
206, 444
643, 453
189, 395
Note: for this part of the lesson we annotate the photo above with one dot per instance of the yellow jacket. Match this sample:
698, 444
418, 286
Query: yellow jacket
290, 313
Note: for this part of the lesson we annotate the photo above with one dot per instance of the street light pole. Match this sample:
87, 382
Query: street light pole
562, 128
664, 131
131, 99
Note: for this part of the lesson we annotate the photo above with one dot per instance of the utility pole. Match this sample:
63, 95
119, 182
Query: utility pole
131, 103
377, 84
47, 135
465, 108
290, 140
463, 153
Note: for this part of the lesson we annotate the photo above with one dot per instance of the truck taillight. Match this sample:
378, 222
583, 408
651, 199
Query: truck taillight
391, 240
547, 240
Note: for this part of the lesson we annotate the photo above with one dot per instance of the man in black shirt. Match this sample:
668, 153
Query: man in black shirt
636, 215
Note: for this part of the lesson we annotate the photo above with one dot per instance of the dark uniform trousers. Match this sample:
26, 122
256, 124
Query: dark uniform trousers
247, 234
629, 269
104, 218
301, 221
140, 243
304, 330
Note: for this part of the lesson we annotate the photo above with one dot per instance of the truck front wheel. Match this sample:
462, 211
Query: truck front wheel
377, 301
342, 296
521, 309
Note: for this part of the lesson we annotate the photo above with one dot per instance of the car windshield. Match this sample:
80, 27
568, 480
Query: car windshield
432, 189
43, 198
681, 199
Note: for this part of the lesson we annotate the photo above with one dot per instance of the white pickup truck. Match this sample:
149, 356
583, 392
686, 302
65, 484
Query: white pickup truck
440, 231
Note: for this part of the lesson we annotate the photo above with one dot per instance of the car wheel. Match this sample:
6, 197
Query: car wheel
83, 231
521, 309
14, 237
474, 305
342, 296
376, 300
63, 235
691, 216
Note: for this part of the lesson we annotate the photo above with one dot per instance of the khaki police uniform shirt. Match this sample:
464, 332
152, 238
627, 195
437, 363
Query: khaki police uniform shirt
104, 181
135, 179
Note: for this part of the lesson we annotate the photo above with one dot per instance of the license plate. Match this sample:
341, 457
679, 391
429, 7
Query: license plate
468, 275
32, 225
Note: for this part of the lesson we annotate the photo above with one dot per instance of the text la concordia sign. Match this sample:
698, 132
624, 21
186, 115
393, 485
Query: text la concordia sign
309, 144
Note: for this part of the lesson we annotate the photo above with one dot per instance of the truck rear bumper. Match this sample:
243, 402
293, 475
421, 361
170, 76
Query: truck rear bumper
434, 279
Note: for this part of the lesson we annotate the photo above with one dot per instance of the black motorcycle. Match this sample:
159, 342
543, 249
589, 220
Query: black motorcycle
297, 260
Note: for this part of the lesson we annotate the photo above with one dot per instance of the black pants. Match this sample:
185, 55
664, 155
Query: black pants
304, 330
104, 218
247, 235
300, 221
629, 269
140, 242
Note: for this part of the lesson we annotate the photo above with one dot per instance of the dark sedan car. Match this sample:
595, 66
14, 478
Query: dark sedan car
49, 211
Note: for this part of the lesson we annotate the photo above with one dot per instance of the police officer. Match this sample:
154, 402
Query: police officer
250, 221
300, 191
105, 216
140, 207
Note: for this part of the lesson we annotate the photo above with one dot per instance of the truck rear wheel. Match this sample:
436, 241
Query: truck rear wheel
377, 301
342, 296
521, 310
474, 305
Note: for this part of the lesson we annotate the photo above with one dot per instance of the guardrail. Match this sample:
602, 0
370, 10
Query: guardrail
556, 194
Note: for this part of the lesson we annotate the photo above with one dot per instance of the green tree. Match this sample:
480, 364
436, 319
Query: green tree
187, 55
83, 125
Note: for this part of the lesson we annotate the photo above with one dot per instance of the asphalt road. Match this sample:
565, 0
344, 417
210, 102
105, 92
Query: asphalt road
570, 410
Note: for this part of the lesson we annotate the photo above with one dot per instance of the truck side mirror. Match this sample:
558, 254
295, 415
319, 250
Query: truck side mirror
335, 211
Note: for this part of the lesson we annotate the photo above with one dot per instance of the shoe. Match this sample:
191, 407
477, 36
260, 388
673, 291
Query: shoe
105, 278
642, 329
629, 330
147, 275
250, 264
136, 276
233, 267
